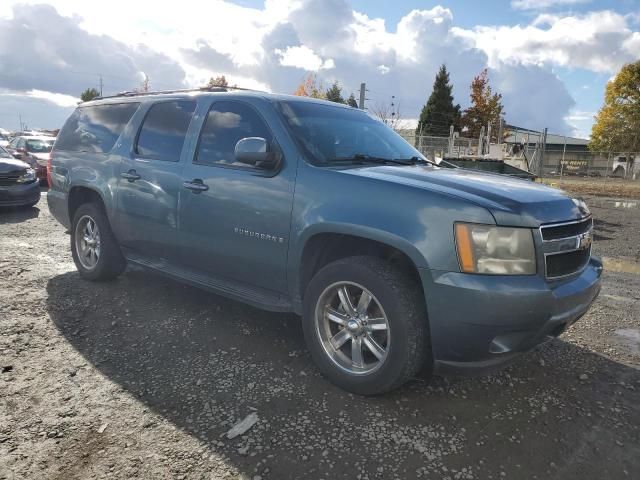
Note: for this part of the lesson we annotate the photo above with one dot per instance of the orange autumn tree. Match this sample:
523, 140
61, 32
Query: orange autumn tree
486, 107
310, 87
617, 124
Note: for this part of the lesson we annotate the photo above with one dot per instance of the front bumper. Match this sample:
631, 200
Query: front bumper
19, 194
481, 322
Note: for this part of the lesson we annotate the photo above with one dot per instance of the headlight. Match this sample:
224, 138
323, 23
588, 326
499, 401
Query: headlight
495, 250
28, 176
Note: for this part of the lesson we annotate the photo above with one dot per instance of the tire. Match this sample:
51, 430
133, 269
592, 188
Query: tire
396, 298
109, 262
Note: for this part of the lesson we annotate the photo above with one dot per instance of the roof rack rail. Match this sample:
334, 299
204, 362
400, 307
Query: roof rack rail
135, 93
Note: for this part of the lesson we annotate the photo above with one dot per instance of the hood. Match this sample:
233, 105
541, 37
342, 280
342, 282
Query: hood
511, 201
12, 165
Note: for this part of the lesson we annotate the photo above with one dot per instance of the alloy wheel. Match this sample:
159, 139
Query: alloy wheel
353, 328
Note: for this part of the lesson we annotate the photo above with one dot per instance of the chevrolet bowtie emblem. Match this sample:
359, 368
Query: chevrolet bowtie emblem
583, 240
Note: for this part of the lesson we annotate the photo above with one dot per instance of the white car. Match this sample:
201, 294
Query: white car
4, 138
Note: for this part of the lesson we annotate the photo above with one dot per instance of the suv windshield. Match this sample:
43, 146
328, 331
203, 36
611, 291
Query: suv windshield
335, 135
39, 146
4, 153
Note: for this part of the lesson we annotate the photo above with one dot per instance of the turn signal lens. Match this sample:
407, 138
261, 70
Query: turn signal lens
465, 251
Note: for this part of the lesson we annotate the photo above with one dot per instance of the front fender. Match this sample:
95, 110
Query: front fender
415, 221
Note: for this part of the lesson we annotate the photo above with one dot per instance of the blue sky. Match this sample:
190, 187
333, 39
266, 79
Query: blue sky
551, 59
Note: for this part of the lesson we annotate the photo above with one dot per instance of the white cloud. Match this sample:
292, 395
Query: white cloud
303, 57
271, 48
543, 4
597, 41
57, 99
578, 115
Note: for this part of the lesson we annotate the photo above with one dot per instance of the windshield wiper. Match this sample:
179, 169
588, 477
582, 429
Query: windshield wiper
417, 159
361, 158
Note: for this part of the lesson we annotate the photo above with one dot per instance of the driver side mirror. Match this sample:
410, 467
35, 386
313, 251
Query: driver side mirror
254, 151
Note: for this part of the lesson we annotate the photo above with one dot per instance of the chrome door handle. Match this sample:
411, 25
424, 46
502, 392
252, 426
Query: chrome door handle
131, 175
196, 186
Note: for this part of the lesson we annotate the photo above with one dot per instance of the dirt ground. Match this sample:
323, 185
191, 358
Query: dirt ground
143, 376
597, 186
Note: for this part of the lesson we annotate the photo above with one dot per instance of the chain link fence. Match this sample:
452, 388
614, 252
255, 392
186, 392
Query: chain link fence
552, 161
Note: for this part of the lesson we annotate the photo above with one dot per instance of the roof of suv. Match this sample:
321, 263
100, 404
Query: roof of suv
232, 92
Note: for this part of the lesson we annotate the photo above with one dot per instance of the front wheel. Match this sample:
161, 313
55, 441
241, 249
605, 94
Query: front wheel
365, 324
94, 248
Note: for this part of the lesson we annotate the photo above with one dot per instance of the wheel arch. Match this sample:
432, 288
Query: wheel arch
80, 194
320, 246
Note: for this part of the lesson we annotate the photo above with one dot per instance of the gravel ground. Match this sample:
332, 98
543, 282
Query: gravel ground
142, 377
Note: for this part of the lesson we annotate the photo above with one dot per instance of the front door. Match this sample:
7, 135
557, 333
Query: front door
150, 183
235, 218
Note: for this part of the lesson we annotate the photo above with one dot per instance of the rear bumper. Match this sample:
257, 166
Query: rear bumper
19, 194
479, 322
58, 206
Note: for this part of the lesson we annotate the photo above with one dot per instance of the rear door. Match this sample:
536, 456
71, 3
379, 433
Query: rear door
236, 226
150, 182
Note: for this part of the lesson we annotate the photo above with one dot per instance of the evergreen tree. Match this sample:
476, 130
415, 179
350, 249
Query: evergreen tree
220, 81
351, 101
89, 94
439, 113
334, 93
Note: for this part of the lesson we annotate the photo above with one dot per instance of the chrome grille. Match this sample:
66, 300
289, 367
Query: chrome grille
565, 230
566, 247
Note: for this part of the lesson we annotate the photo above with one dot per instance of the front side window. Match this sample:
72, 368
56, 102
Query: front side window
96, 128
334, 135
226, 124
164, 130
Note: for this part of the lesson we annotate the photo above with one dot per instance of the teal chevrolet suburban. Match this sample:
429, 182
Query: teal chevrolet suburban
394, 263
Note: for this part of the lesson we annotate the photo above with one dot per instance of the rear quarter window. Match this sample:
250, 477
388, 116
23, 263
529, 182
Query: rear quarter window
96, 128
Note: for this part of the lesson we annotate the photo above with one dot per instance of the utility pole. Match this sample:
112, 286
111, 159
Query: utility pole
363, 89
20, 120
101, 84
564, 150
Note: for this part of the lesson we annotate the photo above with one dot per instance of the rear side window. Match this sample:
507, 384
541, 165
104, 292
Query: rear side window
164, 130
39, 146
95, 129
226, 124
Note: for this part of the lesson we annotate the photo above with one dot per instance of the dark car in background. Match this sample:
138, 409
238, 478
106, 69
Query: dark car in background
18, 183
34, 150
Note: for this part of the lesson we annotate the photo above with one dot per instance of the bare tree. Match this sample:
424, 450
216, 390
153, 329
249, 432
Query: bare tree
389, 114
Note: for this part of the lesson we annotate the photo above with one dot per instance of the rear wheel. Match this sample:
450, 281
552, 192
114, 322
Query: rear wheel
365, 324
94, 248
